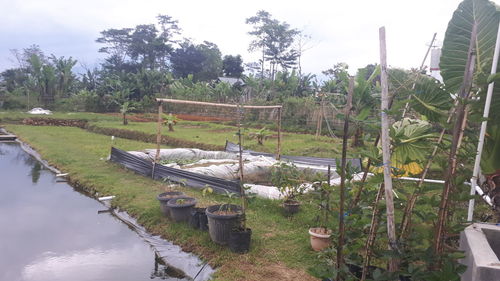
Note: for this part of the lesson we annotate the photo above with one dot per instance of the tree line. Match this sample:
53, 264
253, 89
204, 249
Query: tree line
151, 60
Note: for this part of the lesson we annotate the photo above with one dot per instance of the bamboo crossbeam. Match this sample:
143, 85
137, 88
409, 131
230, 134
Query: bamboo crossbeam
218, 104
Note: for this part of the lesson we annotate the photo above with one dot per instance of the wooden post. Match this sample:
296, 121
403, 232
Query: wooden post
158, 134
386, 152
278, 156
340, 243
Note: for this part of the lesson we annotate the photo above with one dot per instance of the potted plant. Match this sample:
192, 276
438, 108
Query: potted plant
198, 219
180, 208
288, 179
164, 198
240, 237
221, 220
320, 236
227, 223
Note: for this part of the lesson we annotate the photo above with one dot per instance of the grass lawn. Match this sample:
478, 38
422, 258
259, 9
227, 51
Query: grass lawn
217, 134
208, 133
280, 246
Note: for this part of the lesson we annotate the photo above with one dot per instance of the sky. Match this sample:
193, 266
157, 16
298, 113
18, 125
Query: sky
341, 31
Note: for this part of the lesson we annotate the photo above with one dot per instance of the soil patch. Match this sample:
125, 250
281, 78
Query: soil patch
135, 117
55, 122
225, 213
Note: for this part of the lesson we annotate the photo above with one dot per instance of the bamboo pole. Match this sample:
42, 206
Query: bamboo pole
158, 134
420, 69
219, 104
452, 158
240, 158
372, 234
386, 153
340, 244
484, 125
278, 154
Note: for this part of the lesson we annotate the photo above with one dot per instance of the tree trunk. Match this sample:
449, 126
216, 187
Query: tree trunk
125, 121
170, 127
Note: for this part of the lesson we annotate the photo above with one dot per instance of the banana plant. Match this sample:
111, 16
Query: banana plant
260, 135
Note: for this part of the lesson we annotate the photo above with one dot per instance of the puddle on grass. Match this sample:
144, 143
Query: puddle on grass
50, 231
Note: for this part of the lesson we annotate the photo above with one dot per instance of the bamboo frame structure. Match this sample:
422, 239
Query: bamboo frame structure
235, 106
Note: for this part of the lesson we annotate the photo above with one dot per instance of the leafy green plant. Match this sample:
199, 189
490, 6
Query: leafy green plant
180, 201
207, 190
260, 135
324, 204
170, 120
288, 179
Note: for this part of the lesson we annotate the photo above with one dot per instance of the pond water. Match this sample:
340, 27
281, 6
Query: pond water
51, 231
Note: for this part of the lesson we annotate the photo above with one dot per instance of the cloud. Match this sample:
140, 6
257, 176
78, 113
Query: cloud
345, 31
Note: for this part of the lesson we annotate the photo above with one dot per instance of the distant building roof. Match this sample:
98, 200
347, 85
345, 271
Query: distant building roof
231, 80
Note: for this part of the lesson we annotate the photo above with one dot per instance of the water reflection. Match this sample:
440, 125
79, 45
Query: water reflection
164, 272
50, 232
35, 172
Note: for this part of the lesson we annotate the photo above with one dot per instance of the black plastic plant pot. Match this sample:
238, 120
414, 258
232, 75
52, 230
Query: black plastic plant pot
195, 218
164, 198
291, 207
239, 240
180, 208
203, 221
221, 220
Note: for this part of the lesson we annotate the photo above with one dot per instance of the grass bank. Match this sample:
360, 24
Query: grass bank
280, 246
207, 135
217, 134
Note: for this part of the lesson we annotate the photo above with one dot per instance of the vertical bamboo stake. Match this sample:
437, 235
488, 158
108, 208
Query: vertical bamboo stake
340, 243
420, 69
482, 133
386, 153
452, 158
278, 156
240, 158
158, 134
372, 234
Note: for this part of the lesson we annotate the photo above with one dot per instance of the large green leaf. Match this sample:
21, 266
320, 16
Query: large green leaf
430, 99
455, 50
490, 160
410, 140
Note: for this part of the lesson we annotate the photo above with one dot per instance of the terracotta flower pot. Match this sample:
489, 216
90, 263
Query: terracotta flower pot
320, 239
